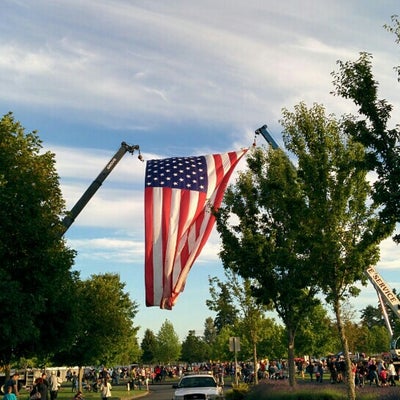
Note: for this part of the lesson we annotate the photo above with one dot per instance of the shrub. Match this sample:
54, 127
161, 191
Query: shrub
238, 392
280, 390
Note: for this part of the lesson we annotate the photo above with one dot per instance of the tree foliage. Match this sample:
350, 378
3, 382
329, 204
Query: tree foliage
372, 316
273, 344
317, 335
267, 240
106, 329
168, 344
249, 313
148, 346
36, 282
195, 349
220, 349
210, 331
222, 303
372, 319
337, 192
377, 340
355, 81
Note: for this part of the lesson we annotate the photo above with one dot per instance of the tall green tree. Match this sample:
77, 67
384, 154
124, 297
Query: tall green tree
250, 313
267, 240
273, 344
371, 316
106, 314
194, 349
340, 219
371, 127
36, 281
377, 340
222, 303
110, 325
210, 331
317, 335
220, 348
168, 344
148, 346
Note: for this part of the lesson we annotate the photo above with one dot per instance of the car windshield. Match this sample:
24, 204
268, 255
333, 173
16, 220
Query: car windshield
197, 381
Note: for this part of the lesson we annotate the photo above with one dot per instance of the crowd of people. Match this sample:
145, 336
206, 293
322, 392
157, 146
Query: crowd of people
46, 388
92, 381
134, 377
365, 371
374, 372
43, 388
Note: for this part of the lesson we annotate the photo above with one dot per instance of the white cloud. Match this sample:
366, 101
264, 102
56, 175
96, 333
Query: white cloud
87, 163
110, 250
389, 256
177, 61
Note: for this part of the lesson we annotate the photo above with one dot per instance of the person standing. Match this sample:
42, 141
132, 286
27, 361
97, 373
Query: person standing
373, 374
391, 373
13, 383
54, 385
105, 389
40, 387
104, 374
310, 370
320, 372
46, 384
74, 382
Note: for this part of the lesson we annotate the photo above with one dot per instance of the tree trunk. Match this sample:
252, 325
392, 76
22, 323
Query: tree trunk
7, 372
80, 376
292, 372
351, 386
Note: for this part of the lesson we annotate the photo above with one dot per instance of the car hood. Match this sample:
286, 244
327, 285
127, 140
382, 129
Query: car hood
208, 391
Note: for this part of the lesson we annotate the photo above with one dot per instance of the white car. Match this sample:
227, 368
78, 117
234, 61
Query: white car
199, 386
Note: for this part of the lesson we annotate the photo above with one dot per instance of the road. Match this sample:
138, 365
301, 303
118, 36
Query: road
160, 392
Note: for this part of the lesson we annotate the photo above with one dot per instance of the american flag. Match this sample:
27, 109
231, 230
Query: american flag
179, 192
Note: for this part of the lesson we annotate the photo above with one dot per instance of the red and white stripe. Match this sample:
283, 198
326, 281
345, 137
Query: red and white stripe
178, 223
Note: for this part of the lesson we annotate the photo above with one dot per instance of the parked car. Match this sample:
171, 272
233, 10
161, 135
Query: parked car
197, 386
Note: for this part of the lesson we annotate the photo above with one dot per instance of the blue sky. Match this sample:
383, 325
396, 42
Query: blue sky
178, 78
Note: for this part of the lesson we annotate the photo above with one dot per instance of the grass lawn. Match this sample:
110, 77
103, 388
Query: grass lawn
117, 392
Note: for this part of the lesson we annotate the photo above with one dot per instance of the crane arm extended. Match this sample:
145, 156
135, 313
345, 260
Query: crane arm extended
386, 297
384, 289
263, 131
92, 189
267, 136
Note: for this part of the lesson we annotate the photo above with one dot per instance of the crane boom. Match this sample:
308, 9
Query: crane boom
386, 297
92, 189
267, 136
384, 289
